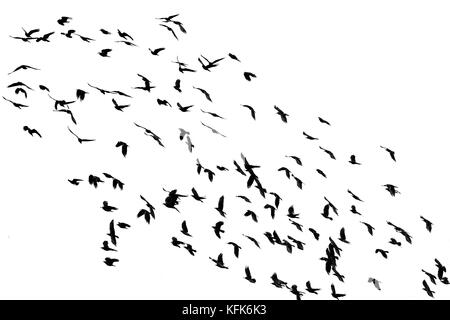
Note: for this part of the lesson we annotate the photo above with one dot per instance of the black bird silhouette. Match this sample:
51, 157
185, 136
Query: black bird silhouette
297, 225
215, 115
428, 223
286, 171
256, 243
427, 289
218, 228
31, 131
382, 252
342, 236
124, 35
441, 269
219, 261
321, 173
294, 291
105, 31
21, 90
277, 199
112, 233
310, 289
249, 76
391, 189
375, 282
173, 199
69, 112
391, 153
272, 210
23, 67
123, 146
298, 243
369, 228
328, 152
170, 30
354, 196
251, 214
69, 33
155, 52
353, 210
147, 86
105, 52
61, 103
324, 121
29, 34
326, 212
307, 136
282, 114
110, 261
176, 243
128, 43
102, 91
221, 168
107, 207
185, 108
334, 294
106, 247
315, 234
116, 182
236, 248
232, 56
81, 94
123, 225
353, 160
246, 199
431, 276
297, 159
63, 20
238, 168
184, 229
277, 282
44, 37
252, 111
177, 85
85, 39
189, 248
205, 93
80, 140
148, 132
44, 88
291, 213
75, 181
213, 130
299, 182
248, 275
147, 213
15, 104
24, 39
119, 107
395, 242
94, 180
196, 196
162, 102
19, 84
209, 64
209, 173
169, 18
182, 67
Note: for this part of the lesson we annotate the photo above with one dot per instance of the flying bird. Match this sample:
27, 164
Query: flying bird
282, 114
31, 131
80, 140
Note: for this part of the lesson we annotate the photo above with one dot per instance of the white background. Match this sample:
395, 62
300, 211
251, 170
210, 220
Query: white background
377, 70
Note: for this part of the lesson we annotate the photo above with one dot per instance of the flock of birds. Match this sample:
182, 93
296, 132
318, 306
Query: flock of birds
241, 167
